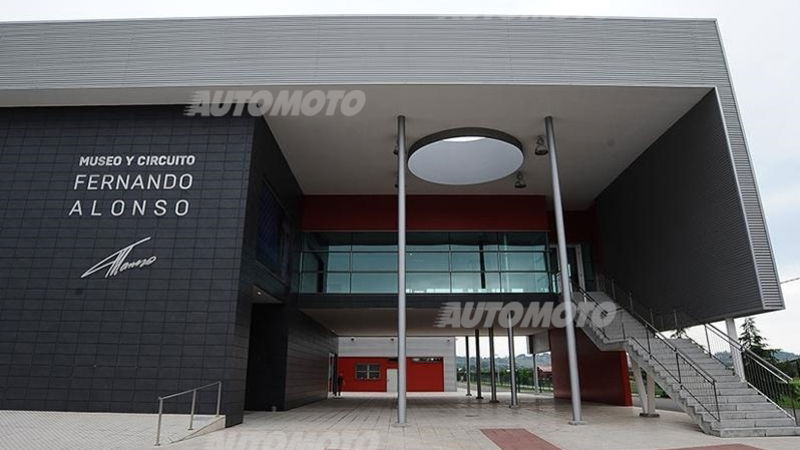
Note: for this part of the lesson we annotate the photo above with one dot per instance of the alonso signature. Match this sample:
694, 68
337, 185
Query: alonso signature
116, 263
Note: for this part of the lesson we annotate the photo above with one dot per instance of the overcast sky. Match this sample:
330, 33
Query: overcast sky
760, 39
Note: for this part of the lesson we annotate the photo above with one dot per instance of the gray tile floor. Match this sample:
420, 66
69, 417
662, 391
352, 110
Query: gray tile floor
365, 421
453, 421
69, 430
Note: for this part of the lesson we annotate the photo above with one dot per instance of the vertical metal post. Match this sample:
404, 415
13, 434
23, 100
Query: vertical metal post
401, 270
158, 427
191, 414
736, 354
572, 355
469, 392
536, 387
219, 396
512, 364
492, 371
478, 364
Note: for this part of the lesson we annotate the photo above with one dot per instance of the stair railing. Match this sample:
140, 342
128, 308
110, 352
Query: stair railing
691, 378
759, 373
778, 387
218, 384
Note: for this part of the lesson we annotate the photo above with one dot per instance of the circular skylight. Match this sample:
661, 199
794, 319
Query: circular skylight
465, 156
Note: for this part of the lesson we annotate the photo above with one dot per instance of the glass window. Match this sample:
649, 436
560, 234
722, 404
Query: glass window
374, 262
373, 283
523, 241
368, 371
427, 262
474, 261
475, 241
321, 262
437, 262
428, 283
518, 282
467, 283
325, 283
515, 261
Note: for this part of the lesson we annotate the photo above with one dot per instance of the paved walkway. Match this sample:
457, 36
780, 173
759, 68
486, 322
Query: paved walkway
365, 421
453, 421
47, 430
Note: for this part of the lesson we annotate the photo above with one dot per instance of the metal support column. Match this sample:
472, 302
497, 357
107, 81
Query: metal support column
492, 371
478, 364
572, 355
536, 387
401, 270
469, 392
512, 364
651, 397
736, 354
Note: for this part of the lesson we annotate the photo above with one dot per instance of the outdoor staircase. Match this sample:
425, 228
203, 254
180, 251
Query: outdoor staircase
708, 391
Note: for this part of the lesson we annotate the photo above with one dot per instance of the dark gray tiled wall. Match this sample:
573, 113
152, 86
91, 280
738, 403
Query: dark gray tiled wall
115, 344
672, 226
288, 350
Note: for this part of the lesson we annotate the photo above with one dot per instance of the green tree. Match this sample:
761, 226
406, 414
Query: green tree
751, 339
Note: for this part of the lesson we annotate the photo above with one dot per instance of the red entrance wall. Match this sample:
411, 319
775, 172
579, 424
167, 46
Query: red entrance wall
603, 375
426, 212
422, 377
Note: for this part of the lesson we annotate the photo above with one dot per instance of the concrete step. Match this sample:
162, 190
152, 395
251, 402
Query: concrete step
759, 432
754, 423
736, 415
737, 399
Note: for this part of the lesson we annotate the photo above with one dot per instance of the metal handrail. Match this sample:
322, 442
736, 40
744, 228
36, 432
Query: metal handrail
655, 330
736, 344
679, 355
194, 404
783, 380
781, 377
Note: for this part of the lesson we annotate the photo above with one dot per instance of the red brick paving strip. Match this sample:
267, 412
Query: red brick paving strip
721, 447
517, 439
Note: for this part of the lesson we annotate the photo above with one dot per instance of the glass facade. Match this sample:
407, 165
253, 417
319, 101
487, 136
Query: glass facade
436, 263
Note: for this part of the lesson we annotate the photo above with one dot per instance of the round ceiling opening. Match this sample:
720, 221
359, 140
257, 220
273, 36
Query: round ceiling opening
465, 156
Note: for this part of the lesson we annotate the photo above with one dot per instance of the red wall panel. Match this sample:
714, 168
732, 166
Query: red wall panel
425, 377
425, 212
347, 368
603, 375
422, 377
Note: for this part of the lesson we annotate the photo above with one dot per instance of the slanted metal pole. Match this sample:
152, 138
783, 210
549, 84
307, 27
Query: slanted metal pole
478, 363
469, 392
736, 354
191, 414
651, 396
401, 270
512, 364
640, 387
158, 427
492, 371
572, 355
